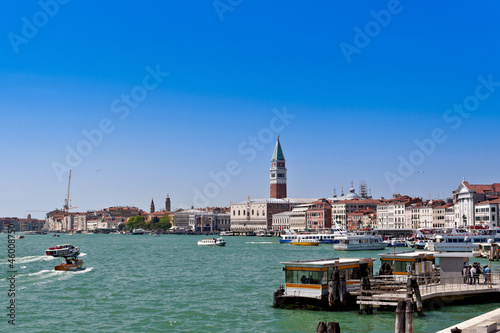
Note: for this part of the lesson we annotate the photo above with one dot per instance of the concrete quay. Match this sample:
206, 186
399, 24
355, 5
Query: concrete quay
486, 323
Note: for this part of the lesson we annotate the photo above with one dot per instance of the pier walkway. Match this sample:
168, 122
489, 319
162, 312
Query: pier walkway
389, 291
486, 323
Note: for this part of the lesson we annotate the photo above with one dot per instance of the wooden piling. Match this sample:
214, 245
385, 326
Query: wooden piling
399, 326
409, 317
333, 327
333, 287
418, 297
365, 286
321, 328
342, 289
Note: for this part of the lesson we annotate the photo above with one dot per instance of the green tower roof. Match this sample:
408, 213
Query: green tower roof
278, 152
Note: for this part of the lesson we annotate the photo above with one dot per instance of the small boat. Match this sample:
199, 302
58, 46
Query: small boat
62, 251
137, 232
420, 244
30, 233
212, 241
55, 235
395, 243
304, 241
70, 264
18, 237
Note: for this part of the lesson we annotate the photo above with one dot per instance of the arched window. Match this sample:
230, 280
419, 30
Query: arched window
252, 212
238, 213
244, 212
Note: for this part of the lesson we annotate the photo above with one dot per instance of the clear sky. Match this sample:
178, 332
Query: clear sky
186, 98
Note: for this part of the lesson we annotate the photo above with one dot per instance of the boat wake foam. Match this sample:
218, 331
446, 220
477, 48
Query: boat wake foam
28, 259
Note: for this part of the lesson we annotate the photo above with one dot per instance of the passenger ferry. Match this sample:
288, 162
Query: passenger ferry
305, 240
461, 242
306, 282
359, 242
212, 242
322, 238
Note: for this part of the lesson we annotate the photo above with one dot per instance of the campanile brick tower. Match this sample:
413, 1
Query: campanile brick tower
278, 173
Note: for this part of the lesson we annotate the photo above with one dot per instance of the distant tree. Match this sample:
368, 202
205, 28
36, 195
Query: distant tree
136, 222
122, 226
164, 223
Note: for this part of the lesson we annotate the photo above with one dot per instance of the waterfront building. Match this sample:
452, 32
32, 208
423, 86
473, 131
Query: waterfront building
486, 213
341, 209
298, 218
391, 214
319, 215
281, 221
208, 220
449, 216
257, 214
466, 196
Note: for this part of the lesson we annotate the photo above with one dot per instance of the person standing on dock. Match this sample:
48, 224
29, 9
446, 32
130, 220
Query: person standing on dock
473, 275
486, 272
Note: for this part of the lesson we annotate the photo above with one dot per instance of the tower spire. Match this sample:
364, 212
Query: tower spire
278, 172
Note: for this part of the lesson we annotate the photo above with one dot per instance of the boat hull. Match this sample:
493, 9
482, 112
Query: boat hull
305, 243
70, 267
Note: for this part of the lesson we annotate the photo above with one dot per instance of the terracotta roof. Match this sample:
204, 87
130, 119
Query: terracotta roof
495, 187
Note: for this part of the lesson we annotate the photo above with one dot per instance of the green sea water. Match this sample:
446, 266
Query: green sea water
168, 283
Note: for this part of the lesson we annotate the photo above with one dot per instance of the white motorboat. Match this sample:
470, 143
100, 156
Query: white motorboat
212, 242
137, 232
62, 251
359, 242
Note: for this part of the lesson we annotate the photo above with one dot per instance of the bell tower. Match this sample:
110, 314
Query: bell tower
278, 173
152, 207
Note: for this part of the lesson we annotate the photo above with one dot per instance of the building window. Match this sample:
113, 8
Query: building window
252, 212
238, 213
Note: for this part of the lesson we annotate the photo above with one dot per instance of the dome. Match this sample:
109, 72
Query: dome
352, 194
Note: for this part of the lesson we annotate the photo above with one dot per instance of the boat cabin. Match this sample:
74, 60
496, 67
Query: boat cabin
400, 263
310, 278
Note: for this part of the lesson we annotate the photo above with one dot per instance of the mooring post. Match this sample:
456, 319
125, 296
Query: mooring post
333, 327
409, 316
342, 289
418, 297
333, 288
399, 326
365, 286
321, 327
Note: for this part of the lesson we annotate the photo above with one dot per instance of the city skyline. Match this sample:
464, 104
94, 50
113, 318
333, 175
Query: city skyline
145, 100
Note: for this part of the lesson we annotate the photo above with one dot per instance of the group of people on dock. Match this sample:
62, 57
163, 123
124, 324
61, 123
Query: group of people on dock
471, 273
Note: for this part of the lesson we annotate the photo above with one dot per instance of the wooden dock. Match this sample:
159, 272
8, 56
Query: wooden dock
387, 291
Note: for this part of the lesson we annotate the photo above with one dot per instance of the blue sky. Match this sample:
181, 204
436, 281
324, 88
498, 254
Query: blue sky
356, 90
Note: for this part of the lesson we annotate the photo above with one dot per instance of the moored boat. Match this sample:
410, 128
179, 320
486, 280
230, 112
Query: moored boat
212, 242
359, 242
307, 283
